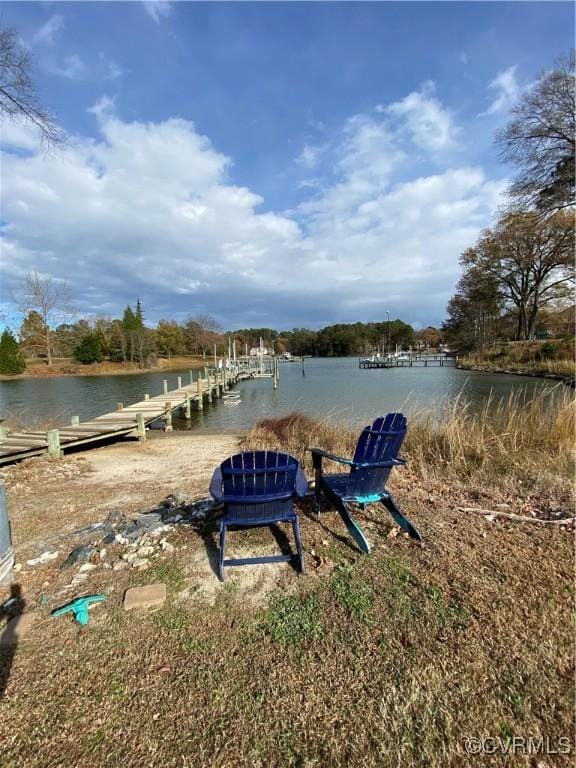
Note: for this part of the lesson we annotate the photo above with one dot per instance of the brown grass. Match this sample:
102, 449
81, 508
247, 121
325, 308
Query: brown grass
518, 444
375, 662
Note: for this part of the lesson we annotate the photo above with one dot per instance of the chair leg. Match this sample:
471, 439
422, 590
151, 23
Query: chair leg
353, 528
221, 552
296, 529
317, 490
400, 518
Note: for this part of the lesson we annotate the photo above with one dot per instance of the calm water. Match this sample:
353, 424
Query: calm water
336, 388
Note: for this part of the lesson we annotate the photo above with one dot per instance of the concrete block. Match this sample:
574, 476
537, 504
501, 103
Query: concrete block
149, 596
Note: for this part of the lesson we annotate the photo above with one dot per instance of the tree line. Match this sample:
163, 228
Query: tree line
520, 273
43, 300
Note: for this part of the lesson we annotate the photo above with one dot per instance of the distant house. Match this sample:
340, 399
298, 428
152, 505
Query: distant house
257, 351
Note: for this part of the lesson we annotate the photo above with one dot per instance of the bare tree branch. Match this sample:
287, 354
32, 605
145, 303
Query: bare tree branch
18, 95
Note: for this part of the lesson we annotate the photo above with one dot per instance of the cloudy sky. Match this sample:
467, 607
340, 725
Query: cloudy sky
271, 164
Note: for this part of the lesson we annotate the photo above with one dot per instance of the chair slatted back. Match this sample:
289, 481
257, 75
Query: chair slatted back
256, 483
379, 442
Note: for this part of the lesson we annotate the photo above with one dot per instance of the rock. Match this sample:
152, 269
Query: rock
88, 529
45, 557
149, 596
81, 554
140, 562
107, 566
115, 517
110, 538
121, 565
16, 629
145, 551
103, 554
17, 567
145, 523
175, 519
178, 499
129, 557
121, 539
165, 546
87, 567
80, 578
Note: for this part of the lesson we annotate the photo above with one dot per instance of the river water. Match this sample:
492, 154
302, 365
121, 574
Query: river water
329, 387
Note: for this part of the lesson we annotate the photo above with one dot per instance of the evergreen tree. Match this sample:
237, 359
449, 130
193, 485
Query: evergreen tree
89, 350
11, 358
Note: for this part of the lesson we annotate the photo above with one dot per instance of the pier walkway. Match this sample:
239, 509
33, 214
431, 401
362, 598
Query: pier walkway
125, 420
407, 361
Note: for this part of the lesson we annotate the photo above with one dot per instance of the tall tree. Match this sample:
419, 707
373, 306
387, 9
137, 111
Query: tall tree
540, 140
11, 358
531, 261
51, 299
19, 98
170, 338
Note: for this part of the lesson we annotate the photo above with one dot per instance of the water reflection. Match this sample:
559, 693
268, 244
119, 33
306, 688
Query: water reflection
333, 388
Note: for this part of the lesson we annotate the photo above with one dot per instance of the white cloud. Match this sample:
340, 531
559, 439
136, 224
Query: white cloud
429, 124
48, 32
310, 156
148, 210
507, 91
71, 67
158, 9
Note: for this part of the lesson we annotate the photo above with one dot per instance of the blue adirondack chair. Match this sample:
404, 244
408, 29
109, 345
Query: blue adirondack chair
257, 489
365, 483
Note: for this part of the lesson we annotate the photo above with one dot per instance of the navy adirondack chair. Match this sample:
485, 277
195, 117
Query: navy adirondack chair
365, 483
257, 489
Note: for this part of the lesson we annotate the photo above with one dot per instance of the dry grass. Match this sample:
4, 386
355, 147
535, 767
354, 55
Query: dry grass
383, 661
553, 358
517, 444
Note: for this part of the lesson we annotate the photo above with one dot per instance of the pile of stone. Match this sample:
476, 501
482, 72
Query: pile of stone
141, 538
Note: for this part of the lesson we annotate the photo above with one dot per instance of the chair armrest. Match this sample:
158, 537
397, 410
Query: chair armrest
318, 454
216, 485
301, 483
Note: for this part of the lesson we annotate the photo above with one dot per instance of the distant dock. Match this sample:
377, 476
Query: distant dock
408, 361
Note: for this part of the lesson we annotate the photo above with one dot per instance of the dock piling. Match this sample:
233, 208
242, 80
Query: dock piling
200, 395
140, 427
165, 385
168, 416
75, 420
119, 406
53, 437
179, 382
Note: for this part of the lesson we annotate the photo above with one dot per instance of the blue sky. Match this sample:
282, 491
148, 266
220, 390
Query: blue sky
282, 164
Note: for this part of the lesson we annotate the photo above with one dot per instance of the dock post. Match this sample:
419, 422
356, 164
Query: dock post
200, 395
165, 384
187, 408
141, 427
147, 396
4, 431
75, 420
168, 416
119, 406
191, 377
179, 382
274, 374
209, 383
53, 437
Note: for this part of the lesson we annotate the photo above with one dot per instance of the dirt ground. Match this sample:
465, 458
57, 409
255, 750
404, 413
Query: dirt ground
389, 660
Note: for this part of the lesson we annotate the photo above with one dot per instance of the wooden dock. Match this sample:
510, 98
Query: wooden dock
409, 361
125, 420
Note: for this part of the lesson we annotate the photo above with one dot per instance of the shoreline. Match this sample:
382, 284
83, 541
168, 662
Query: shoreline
569, 381
43, 373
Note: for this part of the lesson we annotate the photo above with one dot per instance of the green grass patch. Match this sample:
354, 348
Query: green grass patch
292, 619
172, 619
353, 595
168, 572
